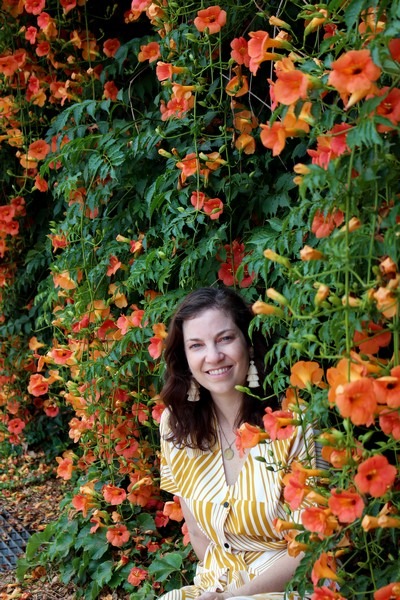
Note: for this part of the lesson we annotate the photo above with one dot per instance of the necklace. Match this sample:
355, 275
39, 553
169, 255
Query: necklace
228, 452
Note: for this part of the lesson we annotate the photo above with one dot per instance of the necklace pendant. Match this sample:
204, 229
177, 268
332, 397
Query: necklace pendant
229, 453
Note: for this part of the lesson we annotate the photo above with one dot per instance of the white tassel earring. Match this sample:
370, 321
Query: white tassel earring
193, 394
253, 380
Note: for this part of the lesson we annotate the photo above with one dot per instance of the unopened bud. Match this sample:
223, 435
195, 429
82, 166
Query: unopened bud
274, 295
351, 301
307, 253
321, 295
352, 225
164, 153
271, 255
262, 308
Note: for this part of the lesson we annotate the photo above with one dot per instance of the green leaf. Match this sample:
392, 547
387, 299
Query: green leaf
96, 545
103, 573
352, 13
162, 568
364, 134
146, 521
37, 539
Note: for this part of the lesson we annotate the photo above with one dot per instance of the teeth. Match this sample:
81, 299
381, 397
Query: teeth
218, 371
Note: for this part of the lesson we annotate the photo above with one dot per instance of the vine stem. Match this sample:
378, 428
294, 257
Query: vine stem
347, 270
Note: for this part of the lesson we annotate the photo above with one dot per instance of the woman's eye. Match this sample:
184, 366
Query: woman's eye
226, 338
194, 346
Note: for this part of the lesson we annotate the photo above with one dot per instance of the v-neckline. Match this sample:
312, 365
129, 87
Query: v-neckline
223, 463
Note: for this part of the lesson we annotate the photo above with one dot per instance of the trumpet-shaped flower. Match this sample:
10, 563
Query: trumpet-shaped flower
113, 494
150, 52
248, 436
240, 51
258, 49
166, 71
389, 422
291, 85
357, 400
386, 301
319, 520
306, 373
38, 150
210, 19
324, 593
273, 137
246, 143
172, 510
279, 424
371, 338
389, 108
237, 86
213, 207
118, 535
157, 341
35, 7
324, 568
189, 165
375, 476
388, 592
353, 75
15, 426
38, 385
136, 576
347, 506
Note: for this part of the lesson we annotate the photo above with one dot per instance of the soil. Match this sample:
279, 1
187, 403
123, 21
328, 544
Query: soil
30, 495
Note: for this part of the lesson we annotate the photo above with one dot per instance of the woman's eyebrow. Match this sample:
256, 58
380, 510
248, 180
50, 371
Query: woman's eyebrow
216, 335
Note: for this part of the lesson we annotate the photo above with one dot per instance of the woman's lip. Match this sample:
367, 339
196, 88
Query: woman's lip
219, 371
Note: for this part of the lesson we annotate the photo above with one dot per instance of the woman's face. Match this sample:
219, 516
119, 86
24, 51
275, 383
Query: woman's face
217, 352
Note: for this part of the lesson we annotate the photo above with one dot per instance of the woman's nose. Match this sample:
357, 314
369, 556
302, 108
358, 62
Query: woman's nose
213, 354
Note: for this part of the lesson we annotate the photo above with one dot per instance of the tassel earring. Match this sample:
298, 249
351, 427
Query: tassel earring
193, 394
253, 380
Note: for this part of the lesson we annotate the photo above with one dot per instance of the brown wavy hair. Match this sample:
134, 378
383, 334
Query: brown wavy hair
192, 424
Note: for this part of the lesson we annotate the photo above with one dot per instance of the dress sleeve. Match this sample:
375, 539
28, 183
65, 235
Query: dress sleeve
167, 480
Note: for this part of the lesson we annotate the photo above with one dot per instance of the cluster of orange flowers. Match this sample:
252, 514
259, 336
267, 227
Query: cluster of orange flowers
329, 512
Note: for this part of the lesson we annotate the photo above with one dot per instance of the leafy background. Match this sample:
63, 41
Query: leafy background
104, 228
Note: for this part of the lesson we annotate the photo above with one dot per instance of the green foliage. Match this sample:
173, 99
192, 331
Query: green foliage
105, 253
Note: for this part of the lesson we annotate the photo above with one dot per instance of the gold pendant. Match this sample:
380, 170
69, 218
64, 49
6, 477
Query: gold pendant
229, 454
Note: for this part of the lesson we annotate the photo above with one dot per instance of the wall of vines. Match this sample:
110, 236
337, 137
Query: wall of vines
153, 147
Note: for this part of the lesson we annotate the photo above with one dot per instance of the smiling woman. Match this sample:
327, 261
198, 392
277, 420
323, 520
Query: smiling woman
229, 499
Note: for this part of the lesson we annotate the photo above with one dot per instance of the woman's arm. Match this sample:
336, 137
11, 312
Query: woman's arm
198, 539
272, 580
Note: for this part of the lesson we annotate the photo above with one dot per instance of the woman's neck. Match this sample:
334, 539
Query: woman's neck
227, 414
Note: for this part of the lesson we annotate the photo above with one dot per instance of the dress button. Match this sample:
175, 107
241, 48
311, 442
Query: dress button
226, 504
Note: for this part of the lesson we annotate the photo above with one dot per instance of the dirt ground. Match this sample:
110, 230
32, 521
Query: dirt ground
30, 494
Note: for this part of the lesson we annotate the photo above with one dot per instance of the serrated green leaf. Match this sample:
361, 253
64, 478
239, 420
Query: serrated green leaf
162, 568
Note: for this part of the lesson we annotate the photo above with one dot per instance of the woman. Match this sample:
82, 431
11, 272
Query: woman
228, 501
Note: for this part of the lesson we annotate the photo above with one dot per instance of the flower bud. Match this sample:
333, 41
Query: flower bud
262, 308
351, 301
321, 295
164, 153
271, 255
307, 253
275, 22
274, 295
352, 225
301, 169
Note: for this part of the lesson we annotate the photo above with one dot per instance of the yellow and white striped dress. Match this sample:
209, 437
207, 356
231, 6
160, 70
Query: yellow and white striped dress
236, 518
